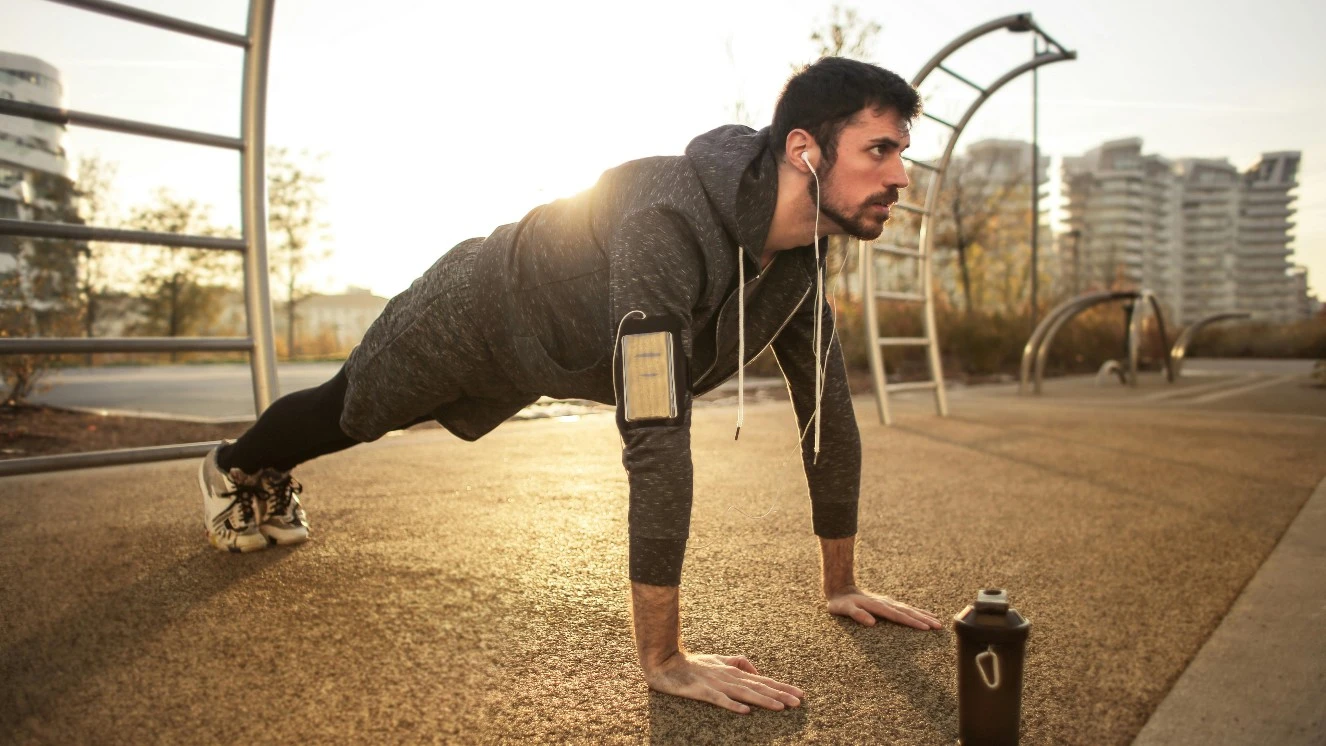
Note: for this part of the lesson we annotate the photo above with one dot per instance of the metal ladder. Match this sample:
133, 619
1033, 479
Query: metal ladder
868, 250
1054, 52
251, 145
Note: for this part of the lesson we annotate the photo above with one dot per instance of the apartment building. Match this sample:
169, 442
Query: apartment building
1205, 237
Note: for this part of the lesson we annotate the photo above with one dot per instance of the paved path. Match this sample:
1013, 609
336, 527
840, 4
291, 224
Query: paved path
476, 593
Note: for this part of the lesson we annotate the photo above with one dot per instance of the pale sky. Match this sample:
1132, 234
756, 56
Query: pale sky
442, 121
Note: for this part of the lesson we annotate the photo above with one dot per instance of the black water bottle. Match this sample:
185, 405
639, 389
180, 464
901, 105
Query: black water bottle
992, 640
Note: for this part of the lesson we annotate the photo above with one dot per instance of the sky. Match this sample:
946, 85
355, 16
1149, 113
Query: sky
441, 121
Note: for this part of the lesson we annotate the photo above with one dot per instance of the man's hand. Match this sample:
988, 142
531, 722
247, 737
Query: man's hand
731, 682
864, 606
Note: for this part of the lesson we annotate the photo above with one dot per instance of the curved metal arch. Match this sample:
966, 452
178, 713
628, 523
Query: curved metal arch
1034, 343
1146, 297
1043, 350
1017, 22
1180, 349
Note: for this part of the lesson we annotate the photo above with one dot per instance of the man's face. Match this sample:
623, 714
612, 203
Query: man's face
861, 185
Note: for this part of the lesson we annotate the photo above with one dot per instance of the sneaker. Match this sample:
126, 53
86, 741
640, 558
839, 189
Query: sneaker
284, 521
229, 507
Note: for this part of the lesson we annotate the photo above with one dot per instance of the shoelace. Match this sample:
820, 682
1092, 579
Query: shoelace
244, 498
280, 491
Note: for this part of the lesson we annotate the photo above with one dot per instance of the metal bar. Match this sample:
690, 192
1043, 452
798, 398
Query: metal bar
253, 129
1032, 348
38, 229
959, 77
1164, 338
913, 386
1043, 352
38, 464
69, 345
147, 18
97, 121
979, 31
1035, 182
898, 251
866, 259
910, 208
903, 341
923, 164
890, 295
1180, 349
934, 118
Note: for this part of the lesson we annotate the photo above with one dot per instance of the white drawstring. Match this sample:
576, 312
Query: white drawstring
741, 340
819, 318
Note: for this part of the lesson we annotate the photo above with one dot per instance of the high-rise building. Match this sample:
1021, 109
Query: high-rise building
1201, 235
1261, 261
1210, 201
1123, 217
34, 184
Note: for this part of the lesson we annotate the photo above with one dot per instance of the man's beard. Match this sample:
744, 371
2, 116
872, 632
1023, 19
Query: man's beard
855, 220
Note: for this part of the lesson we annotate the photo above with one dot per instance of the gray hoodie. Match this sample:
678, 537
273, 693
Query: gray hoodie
661, 236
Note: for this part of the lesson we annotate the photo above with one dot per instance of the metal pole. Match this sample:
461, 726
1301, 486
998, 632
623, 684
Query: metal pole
1035, 176
257, 293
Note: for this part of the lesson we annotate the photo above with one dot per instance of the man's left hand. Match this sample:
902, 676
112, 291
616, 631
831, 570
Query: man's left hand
864, 606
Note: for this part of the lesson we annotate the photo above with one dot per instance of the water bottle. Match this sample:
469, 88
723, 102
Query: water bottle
992, 640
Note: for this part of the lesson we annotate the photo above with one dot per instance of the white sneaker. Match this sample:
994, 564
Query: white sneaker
284, 520
229, 507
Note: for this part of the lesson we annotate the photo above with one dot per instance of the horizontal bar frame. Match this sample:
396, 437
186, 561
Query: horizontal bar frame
76, 345
157, 20
39, 464
961, 78
56, 115
75, 232
890, 295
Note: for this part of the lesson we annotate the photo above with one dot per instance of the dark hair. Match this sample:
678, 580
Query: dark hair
823, 97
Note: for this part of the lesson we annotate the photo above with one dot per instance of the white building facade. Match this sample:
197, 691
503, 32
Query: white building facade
1197, 232
32, 156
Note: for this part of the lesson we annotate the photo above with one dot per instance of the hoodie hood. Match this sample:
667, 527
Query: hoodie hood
740, 177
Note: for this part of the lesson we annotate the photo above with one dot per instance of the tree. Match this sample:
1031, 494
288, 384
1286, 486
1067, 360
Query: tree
92, 190
38, 297
295, 225
978, 210
180, 288
846, 34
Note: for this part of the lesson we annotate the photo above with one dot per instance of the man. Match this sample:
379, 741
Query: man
653, 287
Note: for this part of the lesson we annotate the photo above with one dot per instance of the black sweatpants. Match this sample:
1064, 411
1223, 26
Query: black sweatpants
298, 427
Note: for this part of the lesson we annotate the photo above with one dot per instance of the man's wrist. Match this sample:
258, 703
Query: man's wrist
838, 565
656, 615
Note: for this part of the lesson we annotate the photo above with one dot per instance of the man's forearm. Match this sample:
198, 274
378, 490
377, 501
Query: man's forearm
838, 564
655, 610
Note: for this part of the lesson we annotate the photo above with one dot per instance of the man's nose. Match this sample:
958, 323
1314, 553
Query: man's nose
897, 176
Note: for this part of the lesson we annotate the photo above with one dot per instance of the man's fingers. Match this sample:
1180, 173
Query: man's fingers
740, 661
722, 700
862, 616
788, 688
900, 613
903, 615
747, 693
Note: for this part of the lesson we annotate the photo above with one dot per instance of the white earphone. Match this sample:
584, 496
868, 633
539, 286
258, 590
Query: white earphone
806, 157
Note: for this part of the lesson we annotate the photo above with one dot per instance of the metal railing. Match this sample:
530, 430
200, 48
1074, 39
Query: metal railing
1037, 350
1021, 22
1180, 350
251, 144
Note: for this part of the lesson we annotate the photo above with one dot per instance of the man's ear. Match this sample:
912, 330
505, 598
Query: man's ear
799, 143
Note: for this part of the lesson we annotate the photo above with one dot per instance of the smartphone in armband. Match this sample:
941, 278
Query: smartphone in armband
651, 372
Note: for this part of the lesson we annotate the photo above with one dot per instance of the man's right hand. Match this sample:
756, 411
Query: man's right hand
731, 682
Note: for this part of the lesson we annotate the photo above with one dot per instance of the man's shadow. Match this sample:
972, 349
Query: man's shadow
110, 632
